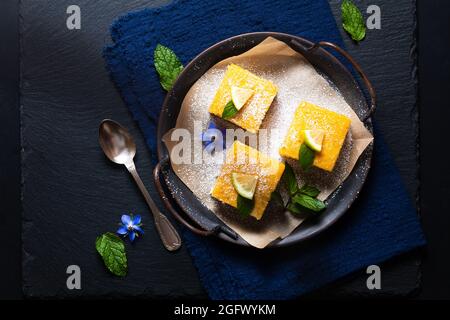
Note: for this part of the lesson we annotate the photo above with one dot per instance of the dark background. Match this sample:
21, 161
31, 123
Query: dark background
434, 73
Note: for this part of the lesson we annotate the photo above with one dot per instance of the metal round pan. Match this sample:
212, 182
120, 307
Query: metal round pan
180, 201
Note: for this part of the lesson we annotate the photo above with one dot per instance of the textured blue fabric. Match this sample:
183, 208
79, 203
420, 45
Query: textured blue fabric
382, 222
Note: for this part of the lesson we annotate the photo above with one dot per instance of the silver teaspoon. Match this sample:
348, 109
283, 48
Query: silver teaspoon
118, 145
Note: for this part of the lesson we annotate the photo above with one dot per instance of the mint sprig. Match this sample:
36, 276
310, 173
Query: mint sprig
301, 200
308, 202
306, 157
294, 208
112, 249
244, 206
309, 190
229, 111
352, 20
289, 179
167, 65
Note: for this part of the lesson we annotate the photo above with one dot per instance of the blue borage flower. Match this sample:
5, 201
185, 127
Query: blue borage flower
130, 226
213, 136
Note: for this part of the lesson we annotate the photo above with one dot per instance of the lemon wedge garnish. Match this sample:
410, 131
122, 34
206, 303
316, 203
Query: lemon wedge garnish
240, 96
244, 184
314, 139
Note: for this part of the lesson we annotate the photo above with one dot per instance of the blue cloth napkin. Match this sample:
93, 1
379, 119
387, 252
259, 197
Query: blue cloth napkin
382, 222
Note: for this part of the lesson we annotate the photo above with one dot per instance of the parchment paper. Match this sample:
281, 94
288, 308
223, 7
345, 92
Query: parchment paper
297, 81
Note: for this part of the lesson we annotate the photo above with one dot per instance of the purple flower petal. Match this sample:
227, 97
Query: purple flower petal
132, 235
139, 229
210, 147
126, 219
136, 219
122, 230
212, 125
213, 139
207, 137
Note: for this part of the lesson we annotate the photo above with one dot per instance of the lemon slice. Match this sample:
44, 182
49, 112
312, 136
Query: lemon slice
244, 184
314, 139
240, 96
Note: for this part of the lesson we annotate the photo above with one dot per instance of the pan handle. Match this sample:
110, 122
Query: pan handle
355, 65
168, 205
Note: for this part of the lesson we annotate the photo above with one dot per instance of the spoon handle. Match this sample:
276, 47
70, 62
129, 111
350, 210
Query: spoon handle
169, 235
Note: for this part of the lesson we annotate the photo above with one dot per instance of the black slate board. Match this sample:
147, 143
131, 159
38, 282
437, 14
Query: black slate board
10, 222
71, 193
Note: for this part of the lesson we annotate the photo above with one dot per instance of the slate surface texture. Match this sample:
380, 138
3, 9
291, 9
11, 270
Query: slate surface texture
10, 208
71, 193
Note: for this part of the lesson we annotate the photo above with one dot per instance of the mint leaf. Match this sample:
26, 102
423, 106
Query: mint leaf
289, 179
112, 250
352, 20
167, 65
244, 205
277, 198
308, 202
229, 111
306, 156
294, 208
310, 191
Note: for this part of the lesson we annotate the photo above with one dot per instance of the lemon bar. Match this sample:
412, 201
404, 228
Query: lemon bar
244, 159
252, 114
311, 117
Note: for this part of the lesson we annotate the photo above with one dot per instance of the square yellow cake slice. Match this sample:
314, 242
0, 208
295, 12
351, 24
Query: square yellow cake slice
252, 114
244, 159
311, 117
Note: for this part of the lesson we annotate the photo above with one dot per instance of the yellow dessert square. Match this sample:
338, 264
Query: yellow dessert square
252, 114
244, 159
311, 117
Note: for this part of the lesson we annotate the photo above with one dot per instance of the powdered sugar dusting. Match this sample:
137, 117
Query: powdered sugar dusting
295, 84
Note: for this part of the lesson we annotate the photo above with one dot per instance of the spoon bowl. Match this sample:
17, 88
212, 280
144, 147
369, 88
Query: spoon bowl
116, 142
